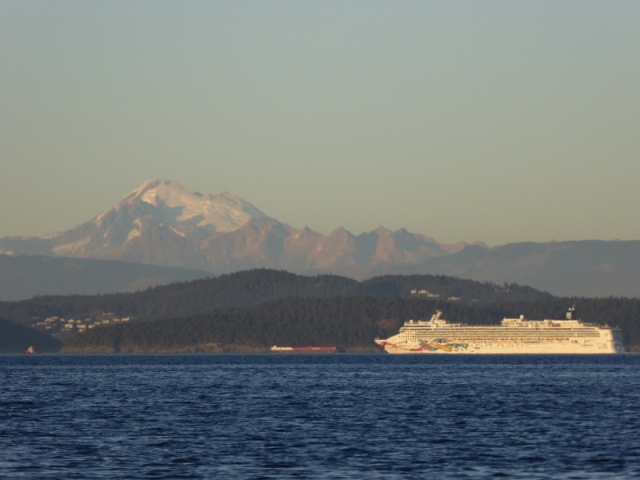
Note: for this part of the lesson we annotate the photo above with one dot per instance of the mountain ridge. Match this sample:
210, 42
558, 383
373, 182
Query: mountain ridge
164, 224
24, 277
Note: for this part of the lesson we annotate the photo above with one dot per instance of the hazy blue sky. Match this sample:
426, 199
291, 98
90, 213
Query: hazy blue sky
497, 121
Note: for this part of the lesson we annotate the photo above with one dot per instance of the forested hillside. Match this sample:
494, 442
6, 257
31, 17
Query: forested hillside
16, 338
256, 309
348, 322
250, 288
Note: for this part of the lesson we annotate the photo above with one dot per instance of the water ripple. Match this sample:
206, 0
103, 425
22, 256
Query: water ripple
331, 416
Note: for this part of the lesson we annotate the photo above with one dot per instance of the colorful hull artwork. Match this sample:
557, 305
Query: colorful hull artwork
426, 347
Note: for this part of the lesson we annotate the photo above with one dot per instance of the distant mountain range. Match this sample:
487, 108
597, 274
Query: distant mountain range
163, 224
22, 277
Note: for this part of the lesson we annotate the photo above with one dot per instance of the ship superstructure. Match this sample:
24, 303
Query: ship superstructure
513, 336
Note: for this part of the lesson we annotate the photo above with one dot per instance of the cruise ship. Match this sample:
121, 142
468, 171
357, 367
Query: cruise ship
513, 336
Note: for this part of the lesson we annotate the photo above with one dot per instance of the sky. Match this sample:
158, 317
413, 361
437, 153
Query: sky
492, 121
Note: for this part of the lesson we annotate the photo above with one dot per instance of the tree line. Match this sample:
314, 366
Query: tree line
265, 307
250, 288
349, 322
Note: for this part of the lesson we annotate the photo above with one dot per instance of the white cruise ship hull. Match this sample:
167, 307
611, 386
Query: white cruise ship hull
469, 348
514, 336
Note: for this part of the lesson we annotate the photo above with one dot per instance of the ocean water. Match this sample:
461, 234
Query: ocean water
325, 416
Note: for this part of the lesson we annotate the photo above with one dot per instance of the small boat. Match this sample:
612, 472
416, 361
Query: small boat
30, 350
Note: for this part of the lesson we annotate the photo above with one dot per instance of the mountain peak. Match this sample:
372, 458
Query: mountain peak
176, 205
157, 191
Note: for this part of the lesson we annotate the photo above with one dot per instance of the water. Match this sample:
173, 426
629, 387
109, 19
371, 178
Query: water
319, 416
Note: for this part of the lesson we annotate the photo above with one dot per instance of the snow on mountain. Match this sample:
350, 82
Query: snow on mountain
182, 209
163, 223
159, 223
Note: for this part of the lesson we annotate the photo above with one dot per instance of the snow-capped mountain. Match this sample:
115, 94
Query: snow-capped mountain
163, 223
186, 212
159, 223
